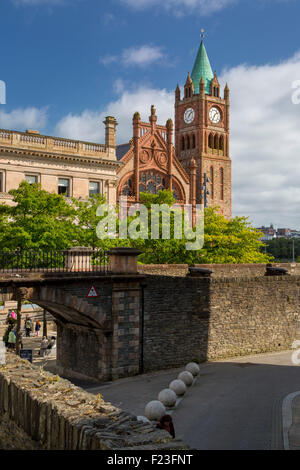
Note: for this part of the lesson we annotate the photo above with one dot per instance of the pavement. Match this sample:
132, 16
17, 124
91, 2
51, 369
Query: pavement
244, 403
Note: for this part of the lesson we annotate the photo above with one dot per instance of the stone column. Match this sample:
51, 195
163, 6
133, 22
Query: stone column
78, 259
123, 260
126, 313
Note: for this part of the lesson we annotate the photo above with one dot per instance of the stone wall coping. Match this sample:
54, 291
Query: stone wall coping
124, 251
53, 404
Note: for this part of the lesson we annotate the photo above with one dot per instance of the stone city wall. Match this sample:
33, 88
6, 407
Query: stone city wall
46, 412
218, 270
201, 319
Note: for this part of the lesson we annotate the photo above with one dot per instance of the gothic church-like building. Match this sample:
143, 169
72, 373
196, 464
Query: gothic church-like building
150, 161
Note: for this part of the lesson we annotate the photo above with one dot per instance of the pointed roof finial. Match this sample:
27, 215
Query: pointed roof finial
202, 35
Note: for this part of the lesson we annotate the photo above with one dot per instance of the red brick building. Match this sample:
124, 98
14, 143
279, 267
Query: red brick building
151, 162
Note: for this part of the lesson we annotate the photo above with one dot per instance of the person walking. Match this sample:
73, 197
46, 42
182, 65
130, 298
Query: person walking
11, 339
27, 326
44, 346
37, 328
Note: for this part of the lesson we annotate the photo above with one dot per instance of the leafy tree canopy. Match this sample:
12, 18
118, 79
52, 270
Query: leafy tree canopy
38, 219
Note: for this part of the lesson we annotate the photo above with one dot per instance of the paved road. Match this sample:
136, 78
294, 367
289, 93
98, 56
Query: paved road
235, 404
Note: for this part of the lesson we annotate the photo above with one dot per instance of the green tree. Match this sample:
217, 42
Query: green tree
37, 219
87, 220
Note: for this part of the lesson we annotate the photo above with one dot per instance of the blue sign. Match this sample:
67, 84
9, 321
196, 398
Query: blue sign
26, 354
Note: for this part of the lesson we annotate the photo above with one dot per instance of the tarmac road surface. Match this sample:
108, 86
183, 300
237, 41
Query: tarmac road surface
235, 404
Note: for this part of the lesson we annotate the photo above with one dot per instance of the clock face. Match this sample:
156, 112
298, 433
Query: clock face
214, 115
189, 116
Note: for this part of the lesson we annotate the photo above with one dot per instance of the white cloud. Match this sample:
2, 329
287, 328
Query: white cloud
88, 125
265, 136
141, 56
180, 7
265, 142
22, 119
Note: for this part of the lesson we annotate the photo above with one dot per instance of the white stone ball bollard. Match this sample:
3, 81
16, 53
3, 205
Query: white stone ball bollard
186, 377
193, 368
155, 410
168, 397
178, 386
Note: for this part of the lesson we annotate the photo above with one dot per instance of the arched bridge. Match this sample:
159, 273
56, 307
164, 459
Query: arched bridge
96, 308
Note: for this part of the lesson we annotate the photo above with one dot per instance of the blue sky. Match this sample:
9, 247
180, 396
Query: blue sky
68, 63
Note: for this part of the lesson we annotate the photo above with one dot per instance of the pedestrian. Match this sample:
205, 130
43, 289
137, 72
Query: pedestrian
11, 339
27, 326
166, 423
37, 328
44, 346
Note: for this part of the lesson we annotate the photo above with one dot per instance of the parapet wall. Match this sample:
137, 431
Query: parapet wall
203, 319
218, 270
57, 415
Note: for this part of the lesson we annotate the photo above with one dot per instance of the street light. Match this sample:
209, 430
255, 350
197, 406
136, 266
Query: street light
205, 190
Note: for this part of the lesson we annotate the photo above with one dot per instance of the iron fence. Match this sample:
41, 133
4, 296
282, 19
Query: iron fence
54, 261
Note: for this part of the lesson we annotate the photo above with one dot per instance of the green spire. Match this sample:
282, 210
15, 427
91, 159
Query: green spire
202, 68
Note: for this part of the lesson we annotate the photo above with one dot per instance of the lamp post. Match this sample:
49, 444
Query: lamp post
205, 191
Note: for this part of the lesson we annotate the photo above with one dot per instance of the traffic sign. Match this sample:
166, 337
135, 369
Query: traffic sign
92, 292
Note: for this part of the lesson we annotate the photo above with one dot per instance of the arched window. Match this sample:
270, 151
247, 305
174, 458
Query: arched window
221, 143
211, 141
127, 189
152, 182
212, 182
193, 141
222, 184
186, 93
182, 143
188, 142
216, 142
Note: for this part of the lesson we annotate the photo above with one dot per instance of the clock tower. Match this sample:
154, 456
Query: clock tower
202, 135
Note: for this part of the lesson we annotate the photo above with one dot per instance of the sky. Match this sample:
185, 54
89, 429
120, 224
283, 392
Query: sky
69, 63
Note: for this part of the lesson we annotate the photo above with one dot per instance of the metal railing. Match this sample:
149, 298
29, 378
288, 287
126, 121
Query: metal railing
64, 261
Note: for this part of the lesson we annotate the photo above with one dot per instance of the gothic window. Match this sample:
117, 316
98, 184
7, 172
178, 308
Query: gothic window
212, 182
222, 184
216, 91
216, 142
193, 141
152, 182
186, 93
211, 141
188, 142
182, 144
127, 188
221, 143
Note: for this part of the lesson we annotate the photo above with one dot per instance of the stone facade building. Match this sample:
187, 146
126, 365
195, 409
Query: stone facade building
69, 167
148, 163
201, 151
